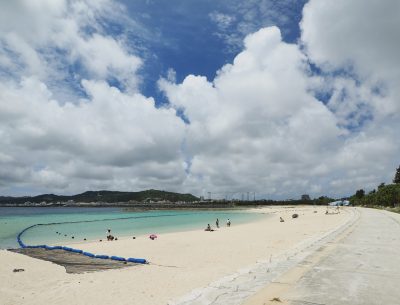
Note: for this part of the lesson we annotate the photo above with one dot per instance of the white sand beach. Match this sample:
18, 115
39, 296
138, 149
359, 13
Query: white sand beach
180, 262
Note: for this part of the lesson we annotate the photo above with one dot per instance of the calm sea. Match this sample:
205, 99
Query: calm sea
92, 223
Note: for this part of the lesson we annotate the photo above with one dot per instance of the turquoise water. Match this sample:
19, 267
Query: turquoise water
13, 220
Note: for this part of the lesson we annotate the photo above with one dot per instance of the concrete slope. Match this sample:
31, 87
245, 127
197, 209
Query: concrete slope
361, 268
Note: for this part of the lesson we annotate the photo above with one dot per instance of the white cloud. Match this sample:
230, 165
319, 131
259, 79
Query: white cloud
110, 133
236, 19
360, 37
110, 139
223, 21
256, 127
66, 33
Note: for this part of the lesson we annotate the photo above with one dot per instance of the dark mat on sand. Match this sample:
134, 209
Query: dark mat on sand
73, 262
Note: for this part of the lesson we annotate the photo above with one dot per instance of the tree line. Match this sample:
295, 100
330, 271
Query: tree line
384, 195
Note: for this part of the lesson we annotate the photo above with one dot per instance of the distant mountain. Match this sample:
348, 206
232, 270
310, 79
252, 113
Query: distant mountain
103, 196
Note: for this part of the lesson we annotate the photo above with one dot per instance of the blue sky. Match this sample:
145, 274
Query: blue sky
277, 98
182, 35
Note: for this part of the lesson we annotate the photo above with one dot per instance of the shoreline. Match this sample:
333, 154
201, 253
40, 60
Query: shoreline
54, 217
129, 237
180, 261
266, 213
85, 239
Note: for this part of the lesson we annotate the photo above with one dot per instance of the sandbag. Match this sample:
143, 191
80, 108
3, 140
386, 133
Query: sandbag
76, 251
20, 242
118, 258
137, 260
102, 256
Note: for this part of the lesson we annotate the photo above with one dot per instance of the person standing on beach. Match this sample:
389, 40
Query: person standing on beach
217, 223
228, 223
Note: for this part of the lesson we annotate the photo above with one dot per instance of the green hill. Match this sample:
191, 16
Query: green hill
104, 196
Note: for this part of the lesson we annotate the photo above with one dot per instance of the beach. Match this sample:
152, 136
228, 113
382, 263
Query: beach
179, 262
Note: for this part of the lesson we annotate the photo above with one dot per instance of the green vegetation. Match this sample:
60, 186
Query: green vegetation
384, 196
104, 197
387, 196
323, 200
396, 179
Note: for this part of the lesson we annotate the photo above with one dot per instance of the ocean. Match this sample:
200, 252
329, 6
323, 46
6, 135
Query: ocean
92, 223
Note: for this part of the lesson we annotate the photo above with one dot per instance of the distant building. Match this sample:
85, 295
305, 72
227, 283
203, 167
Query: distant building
305, 197
340, 203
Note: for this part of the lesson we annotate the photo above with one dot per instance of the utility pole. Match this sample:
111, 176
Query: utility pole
248, 199
254, 198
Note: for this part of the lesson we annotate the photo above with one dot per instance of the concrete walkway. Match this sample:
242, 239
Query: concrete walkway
361, 268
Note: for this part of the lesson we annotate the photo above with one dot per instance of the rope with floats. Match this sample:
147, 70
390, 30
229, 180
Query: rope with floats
79, 251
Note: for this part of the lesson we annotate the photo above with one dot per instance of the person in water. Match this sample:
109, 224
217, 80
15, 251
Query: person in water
217, 223
228, 223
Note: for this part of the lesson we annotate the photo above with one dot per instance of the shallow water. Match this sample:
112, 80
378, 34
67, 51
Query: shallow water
120, 221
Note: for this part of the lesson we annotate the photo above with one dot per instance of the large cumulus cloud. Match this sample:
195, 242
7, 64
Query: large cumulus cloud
256, 127
355, 44
319, 116
93, 136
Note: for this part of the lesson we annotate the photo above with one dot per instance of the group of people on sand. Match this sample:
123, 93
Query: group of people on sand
333, 210
228, 224
110, 237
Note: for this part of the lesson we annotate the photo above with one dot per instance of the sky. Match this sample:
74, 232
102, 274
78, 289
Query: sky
277, 98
